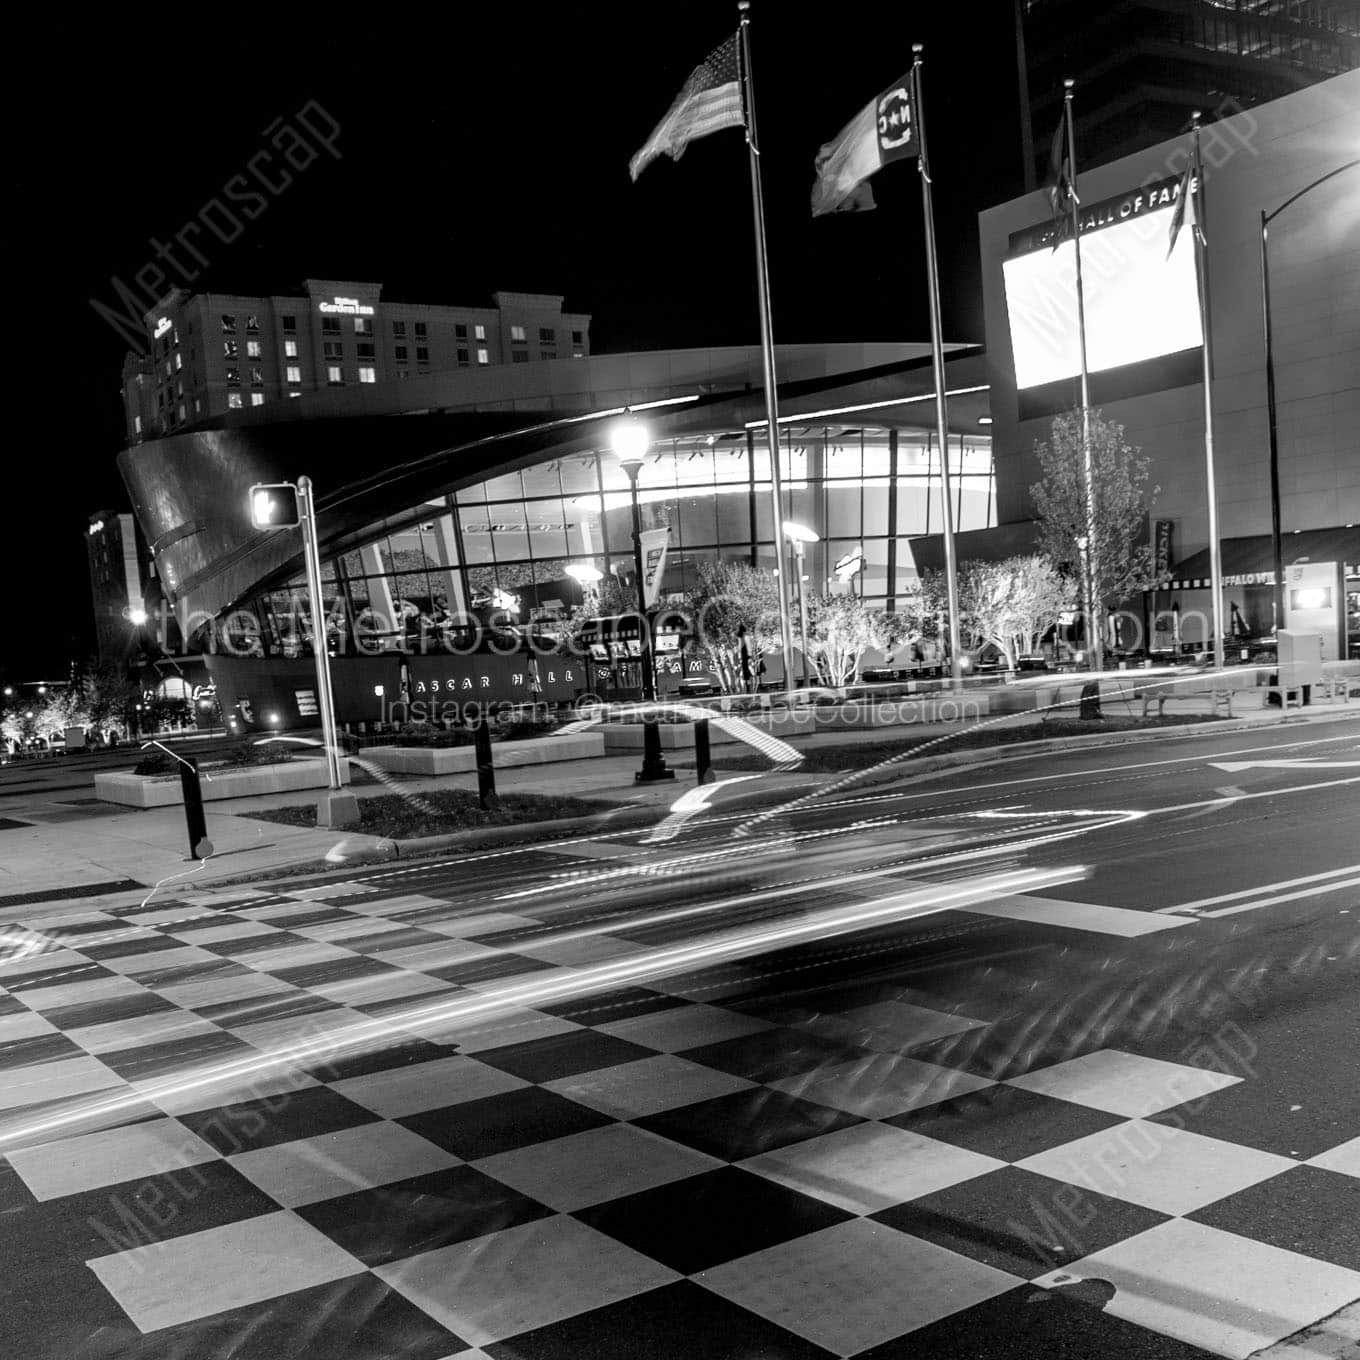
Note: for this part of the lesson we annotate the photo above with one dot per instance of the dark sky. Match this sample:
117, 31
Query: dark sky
474, 153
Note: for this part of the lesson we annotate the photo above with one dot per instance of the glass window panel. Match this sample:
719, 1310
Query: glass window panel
694, 465
796, 458
842, 511
578, 473
542, 480
842, 457
547, 521
696, 521
472, 495
805, 506
504, 488
874, 579
764, 515
875, 510
476, 528
733, 518
877, 460
730, 464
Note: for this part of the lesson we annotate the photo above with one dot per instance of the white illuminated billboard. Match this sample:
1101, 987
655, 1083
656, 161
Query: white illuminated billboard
1140, 304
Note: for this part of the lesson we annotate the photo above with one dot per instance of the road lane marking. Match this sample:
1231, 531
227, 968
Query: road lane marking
1053, 911
1233, 766
1262, 888
1315, 890
1262, 793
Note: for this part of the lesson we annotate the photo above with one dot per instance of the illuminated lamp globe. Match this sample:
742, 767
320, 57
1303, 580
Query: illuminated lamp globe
587, 573
630, 440
800, 533
136, 617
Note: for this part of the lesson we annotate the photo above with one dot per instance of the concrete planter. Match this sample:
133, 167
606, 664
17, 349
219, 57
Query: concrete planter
437, 760
152, 791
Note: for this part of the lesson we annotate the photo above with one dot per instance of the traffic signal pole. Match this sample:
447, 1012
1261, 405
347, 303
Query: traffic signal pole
311, 558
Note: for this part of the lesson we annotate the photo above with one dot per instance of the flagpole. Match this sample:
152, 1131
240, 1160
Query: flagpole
766, 342
1095, 641
1196, 188
937, 359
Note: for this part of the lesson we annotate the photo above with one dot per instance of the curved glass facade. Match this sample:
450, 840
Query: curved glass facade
864, 490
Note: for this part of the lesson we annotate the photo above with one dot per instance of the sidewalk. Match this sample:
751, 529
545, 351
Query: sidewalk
76, 843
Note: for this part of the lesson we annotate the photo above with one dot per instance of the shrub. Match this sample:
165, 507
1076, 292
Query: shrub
154, 764
247, 753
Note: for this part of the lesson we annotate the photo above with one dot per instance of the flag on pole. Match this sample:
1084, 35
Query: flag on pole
709, 101
1185, 211
655, 543
884, 130
1061, 190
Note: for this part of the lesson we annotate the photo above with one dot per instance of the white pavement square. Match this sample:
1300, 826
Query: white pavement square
890, 1026
1124, 1083
399, 1091
1344, 1159
647, 1086
881, 1085
685, 1027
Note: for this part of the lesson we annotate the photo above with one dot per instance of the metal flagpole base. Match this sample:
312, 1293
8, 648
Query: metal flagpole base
653, 762
337, 808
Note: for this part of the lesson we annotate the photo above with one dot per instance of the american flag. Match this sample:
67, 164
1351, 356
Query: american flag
709, 101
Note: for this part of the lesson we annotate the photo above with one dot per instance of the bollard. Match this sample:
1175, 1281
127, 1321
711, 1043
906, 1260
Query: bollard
486, 766
200, 847
653, 762
1090, 700
703, 760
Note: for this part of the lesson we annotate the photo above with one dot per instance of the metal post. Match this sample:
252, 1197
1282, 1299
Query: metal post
937, 360
802, 609
648, 670
766, 342
200, 847
486, 765
1276, 545
703, 759
337, 808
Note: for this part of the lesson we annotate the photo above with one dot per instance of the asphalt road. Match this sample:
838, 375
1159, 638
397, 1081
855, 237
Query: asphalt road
1057, 1056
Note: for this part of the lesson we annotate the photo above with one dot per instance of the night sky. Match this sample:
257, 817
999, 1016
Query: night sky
475, 153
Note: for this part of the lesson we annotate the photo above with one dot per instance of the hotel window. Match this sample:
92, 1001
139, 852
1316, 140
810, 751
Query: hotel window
233, 377
252, 325
578, 354
403, 372
294, 373
136, 424
256, 377
367, 375
330, 325
399, 330
520, 356
362, 326
516, 334
290, 325
179, 388
179, 361
332, 349
578, 337
174, 335
420, 330
228, 324
257, 398
460, 331
548, 354
333, 376
422, 354
464, 358
479, 332
233, 401
400, 352
252, 349
198, 405
546, 335
483, 357
229, 350
290, 349
365, 349
169, 367
182, 412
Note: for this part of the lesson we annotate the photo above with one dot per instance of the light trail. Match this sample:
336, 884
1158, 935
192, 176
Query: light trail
564, 984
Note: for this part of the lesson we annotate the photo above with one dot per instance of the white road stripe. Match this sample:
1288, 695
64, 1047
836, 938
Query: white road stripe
1052, 911
1260, 888
1285, 897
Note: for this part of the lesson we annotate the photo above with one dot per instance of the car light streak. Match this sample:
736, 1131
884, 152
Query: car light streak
562, 984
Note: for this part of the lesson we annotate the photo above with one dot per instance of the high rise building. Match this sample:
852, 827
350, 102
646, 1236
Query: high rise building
1142, 67
211, 353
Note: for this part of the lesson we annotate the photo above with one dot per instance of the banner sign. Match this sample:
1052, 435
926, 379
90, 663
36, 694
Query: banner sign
1161, 546
655, 543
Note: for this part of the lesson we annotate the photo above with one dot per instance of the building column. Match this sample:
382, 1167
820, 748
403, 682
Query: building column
379, 589
450, 561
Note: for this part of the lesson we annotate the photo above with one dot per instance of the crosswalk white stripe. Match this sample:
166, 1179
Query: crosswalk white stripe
1260, 888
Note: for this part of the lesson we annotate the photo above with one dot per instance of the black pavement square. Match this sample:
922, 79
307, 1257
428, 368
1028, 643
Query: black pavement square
177, 1057
678, 1319
710, 1218
107, 1009
243, 946
249, 1124
422, 1214
400, 1053
1305, 1209
747, 1123
66, 976
488, 969
1020, 1222
150, 943
378, 943
73, 933
771, 1054
203, 919
357, 1318
1029, 1322
564, 1055
38, 1048
330, 971
11, 1005
257, 1010
1006, 1122
602, 1008
513, 1119
181, 974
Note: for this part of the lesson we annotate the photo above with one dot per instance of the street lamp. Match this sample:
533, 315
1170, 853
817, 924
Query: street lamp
586, 574
800, 536
630, 440
1276, 547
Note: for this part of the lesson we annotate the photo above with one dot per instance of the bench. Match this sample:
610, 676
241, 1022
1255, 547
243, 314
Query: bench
1222, 698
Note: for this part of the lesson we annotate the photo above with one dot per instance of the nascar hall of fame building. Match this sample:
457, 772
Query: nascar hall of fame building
490, 488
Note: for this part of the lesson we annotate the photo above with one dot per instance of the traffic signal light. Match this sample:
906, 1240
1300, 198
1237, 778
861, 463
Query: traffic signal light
274, 506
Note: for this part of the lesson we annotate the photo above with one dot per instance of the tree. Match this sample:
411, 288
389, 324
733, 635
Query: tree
840, 630
1097, 540
1012, 604
609, 598
731, 604
108, 695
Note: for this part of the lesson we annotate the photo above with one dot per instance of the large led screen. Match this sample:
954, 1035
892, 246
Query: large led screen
1140, 304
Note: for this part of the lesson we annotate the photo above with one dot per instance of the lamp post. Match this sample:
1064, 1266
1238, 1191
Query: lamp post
629, 440
800, 536
1276, 546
